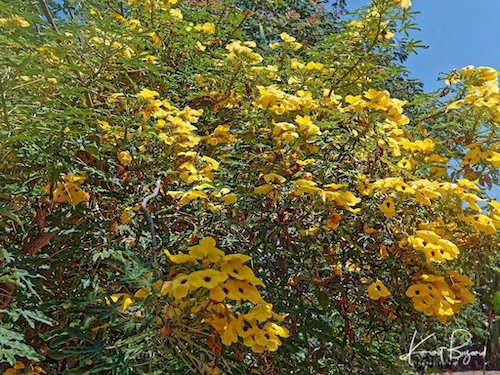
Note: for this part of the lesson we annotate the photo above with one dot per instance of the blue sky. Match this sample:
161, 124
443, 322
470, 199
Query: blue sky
458, 33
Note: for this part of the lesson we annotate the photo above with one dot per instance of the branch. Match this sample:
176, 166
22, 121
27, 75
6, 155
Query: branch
46, 11
144, 209
240, 24
370, 47
48, 15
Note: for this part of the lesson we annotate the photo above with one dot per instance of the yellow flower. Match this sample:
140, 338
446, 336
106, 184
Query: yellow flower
424, 304
481, 223
206, 250
124, 157
459, 278
229, 289
189, 173
229, 199
178, 288
287, 38
201, 46
243, 50
230, 334
142, 293
405, 164
236, 290
432, 253
428, 236
276, 329
126, 215
70, 177
207, 28
208, 278
342, 199
403, 3
471, 200
176, 12
273, 177
378, 100
236, 269
230, 257
290, 40
425, 195
265, 339
434, 247
435, 158
147, 94
492, 157
306, 126
179, 258
473, 156
260, 312
188, 196
378, 290
387, 207
309, 232
264, 189
334, 186
14, 21
333, 220
69, 192
155, 38
449, 250
125, 299
418, 290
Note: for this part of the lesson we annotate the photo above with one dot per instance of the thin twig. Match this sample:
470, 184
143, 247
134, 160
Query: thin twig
144, 209
358, 61
240, 24
50, 19
4, 108
48, 15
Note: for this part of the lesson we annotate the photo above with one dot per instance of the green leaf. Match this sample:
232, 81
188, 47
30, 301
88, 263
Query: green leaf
12, 345
10, 215
496, 302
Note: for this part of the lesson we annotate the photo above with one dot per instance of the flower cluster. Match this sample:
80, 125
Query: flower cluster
243, 50
288, 40
435, 248
228, 285
378, 101
440, 296
280, 102
483, 223
174, 126
69, 190
483, 90
14, 21
20, 368
475, 155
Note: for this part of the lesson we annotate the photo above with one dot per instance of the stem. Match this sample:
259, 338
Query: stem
247, 14
370, 47
4, 107
144, 209
48, 15
46, 11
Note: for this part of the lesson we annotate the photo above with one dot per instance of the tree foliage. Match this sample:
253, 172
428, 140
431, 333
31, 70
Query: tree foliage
236, 187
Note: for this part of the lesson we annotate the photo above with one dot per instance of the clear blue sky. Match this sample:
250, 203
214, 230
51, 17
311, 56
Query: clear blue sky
458, 33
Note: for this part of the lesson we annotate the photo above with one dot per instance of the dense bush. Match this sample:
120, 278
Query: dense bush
236, 187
